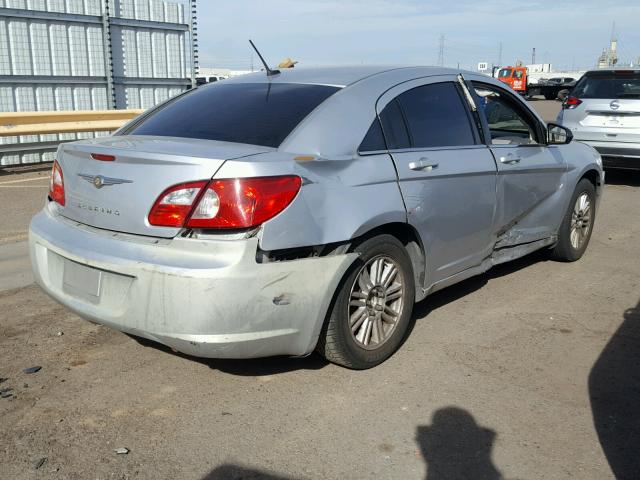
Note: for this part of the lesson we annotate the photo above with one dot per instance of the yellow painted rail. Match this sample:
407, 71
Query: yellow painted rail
33, 123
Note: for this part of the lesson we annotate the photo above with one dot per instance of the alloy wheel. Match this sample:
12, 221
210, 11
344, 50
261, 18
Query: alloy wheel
580, 221
375, 304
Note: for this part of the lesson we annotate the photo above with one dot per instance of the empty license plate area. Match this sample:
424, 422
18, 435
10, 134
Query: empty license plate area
612, 119
81, 280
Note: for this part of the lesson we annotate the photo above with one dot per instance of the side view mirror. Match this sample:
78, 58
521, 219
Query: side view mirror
558, 135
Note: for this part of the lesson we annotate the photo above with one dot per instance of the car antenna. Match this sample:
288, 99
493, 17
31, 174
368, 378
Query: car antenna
266, 67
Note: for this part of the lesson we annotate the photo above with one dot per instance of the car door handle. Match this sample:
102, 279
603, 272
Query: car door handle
510, 159
423, 164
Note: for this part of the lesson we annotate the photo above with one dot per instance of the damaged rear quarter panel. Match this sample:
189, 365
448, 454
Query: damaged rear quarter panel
340, 199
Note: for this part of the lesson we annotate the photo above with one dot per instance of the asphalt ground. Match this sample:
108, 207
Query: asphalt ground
529, 371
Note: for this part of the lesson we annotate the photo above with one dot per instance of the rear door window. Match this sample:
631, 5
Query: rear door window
253, 113
609, 85
436, 116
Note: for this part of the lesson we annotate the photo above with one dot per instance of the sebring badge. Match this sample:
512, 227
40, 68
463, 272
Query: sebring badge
99, 181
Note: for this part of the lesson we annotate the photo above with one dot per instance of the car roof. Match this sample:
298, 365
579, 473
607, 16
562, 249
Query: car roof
335, 128
612, 70
340, 76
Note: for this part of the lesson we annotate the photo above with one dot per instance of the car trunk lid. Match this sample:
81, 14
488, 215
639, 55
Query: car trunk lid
596, 120
118, 194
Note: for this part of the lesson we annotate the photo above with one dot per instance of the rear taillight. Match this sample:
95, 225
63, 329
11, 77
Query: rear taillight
229, 203
571, 102
56, 184
173, 206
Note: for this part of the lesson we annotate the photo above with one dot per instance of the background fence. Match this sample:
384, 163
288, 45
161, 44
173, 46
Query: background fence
65, 55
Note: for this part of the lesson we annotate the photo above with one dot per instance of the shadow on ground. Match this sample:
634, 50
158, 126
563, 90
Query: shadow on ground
630, 178
614, 390
250, 367
454, 447
236, 472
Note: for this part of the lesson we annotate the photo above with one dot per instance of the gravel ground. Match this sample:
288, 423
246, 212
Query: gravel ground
529, 371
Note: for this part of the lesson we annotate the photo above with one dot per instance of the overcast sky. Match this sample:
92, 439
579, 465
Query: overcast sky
325, 32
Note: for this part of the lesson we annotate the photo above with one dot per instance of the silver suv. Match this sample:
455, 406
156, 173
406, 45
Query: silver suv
603, 111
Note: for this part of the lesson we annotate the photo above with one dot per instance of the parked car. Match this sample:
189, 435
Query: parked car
557, 81
603, 110
307, 210
211, 79
567, 84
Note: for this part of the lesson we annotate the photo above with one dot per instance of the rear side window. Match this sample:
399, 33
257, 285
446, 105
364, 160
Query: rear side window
253, 113
436, 116
608, 85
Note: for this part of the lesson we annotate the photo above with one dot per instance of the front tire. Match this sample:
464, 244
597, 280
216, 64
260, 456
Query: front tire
577, 225
372, 307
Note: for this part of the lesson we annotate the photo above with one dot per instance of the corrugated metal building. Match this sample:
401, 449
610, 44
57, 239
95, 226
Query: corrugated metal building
90, 55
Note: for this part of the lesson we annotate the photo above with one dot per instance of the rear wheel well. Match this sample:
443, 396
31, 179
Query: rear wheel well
409, 237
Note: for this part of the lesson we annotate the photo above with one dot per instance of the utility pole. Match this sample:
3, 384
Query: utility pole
500, 54
533, 56
108, 57
441, 51
193, 31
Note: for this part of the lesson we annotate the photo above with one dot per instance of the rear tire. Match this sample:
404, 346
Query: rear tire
372, 307
577, 225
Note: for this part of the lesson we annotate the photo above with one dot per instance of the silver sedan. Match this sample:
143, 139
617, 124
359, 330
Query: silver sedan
307, 210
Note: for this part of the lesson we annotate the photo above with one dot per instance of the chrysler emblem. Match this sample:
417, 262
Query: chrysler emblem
614, 105
99, 181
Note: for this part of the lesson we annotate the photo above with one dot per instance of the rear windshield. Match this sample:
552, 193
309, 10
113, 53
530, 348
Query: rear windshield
609, 85
253, 113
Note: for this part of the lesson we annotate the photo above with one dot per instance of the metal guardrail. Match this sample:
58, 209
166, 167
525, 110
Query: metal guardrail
39, 123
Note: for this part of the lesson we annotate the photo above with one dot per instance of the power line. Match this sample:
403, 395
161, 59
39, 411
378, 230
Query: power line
441, 51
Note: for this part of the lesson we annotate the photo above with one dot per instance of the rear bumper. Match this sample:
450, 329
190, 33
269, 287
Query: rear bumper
208, 298
617, 155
